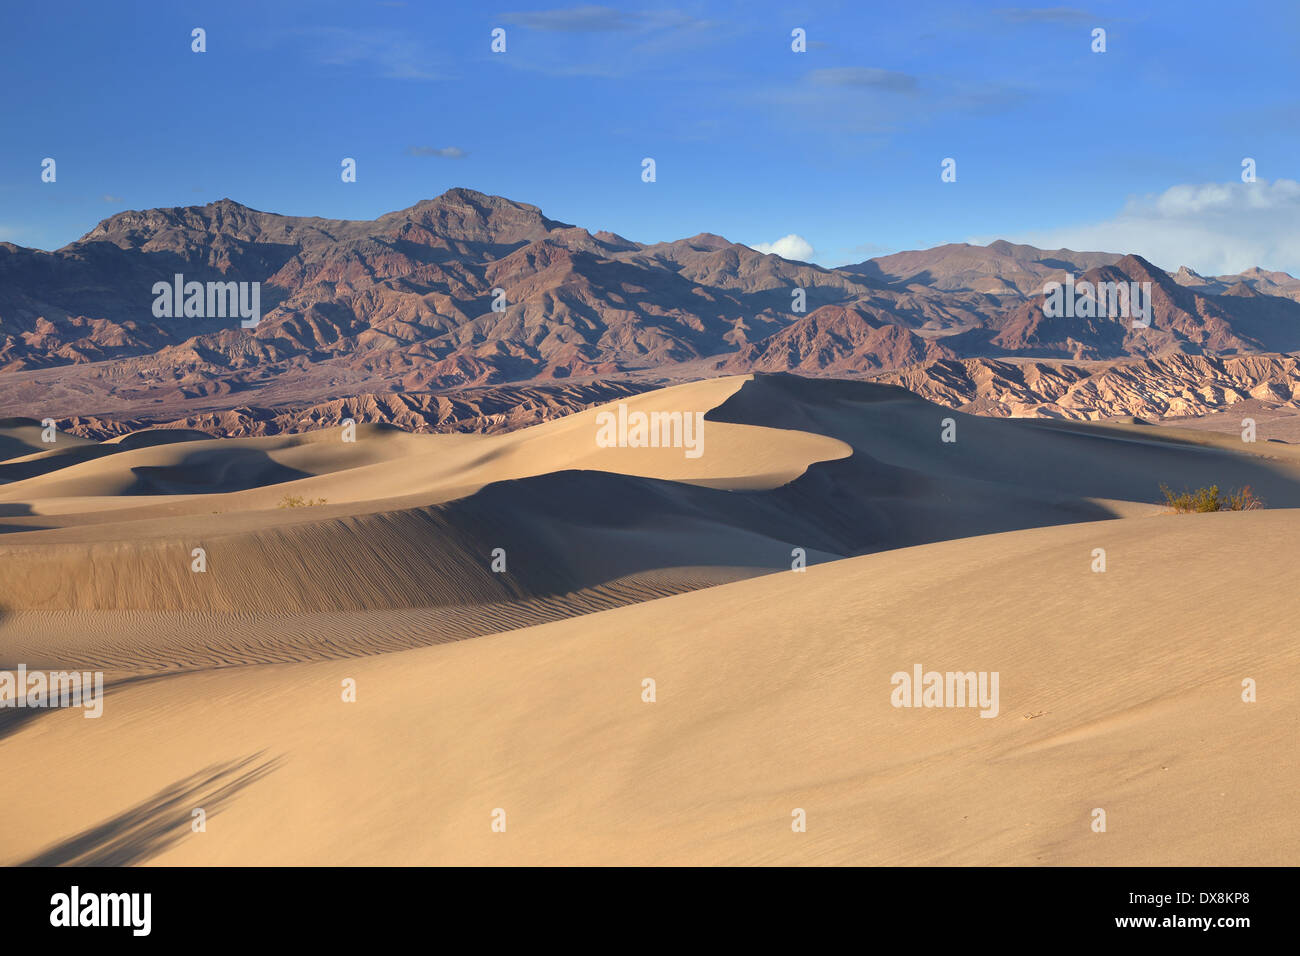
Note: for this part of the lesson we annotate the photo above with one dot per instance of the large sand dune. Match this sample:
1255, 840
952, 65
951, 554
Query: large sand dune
1120, 690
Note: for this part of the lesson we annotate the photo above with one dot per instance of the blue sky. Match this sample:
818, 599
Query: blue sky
1137, 149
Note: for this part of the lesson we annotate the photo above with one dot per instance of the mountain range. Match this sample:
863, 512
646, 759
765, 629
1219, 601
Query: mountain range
478, 292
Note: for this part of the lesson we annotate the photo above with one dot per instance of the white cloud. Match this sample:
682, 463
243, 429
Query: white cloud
787, 247
1215, 228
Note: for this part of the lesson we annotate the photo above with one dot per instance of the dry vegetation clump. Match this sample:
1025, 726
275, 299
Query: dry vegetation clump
1211, 499
297, 501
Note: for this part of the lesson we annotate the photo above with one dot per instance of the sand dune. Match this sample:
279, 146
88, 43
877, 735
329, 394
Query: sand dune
1121, 689
413, 520
23, 436
562, 528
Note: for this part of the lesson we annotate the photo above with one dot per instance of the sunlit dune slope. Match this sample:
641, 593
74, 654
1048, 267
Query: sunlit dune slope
1119, 691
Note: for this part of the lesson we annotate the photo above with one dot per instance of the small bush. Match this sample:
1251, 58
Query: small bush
1244, 500
297, 501
1211, 499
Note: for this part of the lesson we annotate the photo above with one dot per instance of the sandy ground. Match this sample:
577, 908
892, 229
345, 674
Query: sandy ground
1119, 690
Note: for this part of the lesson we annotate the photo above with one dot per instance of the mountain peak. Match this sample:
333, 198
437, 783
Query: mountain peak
1133, 263
710, 240
226, 203
470, 215
462, 196
465, 194
1243, 290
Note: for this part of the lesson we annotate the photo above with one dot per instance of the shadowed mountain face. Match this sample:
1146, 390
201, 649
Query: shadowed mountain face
1182, 319
470, 290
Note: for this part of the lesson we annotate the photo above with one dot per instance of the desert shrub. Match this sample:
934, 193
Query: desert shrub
1211, 499
1244, 500
297, 501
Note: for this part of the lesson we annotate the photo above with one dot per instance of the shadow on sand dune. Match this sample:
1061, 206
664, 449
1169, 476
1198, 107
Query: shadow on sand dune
212, 471
158, 823
14, 719
16, 510
203, 470
30, 462
999, 465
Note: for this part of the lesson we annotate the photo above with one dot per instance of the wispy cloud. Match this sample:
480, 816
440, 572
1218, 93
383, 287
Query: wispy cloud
984, 99
1044, 15
589, 19
389, 53
864, 77
107, 197
650, 41
876, 101
446, 152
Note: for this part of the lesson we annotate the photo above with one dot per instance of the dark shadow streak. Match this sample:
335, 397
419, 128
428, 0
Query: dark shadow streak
159, 823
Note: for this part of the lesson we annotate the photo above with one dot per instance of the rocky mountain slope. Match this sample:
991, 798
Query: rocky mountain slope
470, 291
1176, 386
